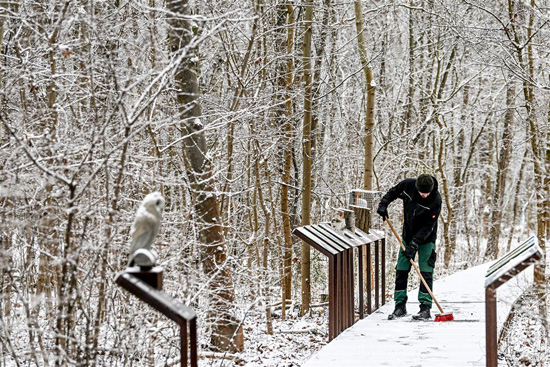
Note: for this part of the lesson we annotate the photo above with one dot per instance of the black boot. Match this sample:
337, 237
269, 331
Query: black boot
424, 314
400, 311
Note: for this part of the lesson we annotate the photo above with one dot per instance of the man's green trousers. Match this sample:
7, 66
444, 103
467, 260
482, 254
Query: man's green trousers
426, 263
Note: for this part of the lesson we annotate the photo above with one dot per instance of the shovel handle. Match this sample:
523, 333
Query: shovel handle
414, 265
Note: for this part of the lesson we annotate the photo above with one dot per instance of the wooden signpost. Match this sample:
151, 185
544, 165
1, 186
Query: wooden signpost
500, 272
147, 286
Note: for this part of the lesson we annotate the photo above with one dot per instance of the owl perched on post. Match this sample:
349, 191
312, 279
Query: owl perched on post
146, 225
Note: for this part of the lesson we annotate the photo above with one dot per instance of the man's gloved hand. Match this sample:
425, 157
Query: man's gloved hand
410, 250
383, 211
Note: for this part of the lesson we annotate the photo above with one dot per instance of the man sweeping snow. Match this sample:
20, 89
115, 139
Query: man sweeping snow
421, 208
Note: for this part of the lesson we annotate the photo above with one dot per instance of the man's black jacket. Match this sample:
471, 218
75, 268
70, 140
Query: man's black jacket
420, 224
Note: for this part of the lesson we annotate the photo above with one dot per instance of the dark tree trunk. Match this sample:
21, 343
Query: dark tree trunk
226, 330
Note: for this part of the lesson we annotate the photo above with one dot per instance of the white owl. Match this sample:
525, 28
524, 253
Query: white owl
146, 224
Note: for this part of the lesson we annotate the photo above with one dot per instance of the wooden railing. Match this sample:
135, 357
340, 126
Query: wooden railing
147, 286
344, 250
500, 272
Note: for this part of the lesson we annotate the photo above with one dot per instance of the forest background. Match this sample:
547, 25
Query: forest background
251, 118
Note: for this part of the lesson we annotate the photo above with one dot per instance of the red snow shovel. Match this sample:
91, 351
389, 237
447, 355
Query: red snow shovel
438, 317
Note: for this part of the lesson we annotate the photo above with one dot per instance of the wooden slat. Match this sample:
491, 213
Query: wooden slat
351, 288
383, 264
369, 280
511, 255
339, 298
332, 309
371, 236
328, 238
312, 239
161, 301
336, 235
360, 283
356, 238
376, 275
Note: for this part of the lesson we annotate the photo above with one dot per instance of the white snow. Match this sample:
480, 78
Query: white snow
376, 341
197, 124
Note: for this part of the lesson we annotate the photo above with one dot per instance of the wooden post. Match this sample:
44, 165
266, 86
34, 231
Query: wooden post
491, 339
193, 353
383, 263
360, 282
376, 275
152, 277
183, 344
362, 218
139, 285
351, 291
363, 222
369, 279
332, 301
349, 218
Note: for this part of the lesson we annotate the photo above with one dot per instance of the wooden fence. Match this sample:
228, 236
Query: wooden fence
348, 250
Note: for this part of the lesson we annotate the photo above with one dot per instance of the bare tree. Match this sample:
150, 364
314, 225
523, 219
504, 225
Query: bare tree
227, 332
307, 157
503, 162
371, 96
286, 83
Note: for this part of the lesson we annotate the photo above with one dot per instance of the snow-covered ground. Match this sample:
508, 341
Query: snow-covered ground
375, 341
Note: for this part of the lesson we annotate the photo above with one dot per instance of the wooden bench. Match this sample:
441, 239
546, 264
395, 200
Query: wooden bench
344, 249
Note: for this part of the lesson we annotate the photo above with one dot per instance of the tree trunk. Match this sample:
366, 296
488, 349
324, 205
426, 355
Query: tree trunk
239, 90
515, 209
317, 130
306, 155
226, 331
447, 216
286, 82
371, 93
444, 188
503, 161
458, 163
3, 6
526, 61
546, 204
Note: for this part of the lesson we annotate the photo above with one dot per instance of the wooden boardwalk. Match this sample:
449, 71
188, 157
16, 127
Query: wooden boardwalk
376, 341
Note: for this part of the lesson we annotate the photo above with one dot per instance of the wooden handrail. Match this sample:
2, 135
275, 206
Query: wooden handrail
147, 286
510, 265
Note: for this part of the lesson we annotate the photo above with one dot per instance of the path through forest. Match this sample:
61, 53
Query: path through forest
376, 341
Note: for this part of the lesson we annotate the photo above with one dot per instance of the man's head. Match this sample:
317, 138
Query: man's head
424, 185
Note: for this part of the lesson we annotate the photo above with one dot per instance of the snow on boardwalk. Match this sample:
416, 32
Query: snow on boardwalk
376, 341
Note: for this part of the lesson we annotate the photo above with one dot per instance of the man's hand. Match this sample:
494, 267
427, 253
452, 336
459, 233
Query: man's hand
410, 250
383, 211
